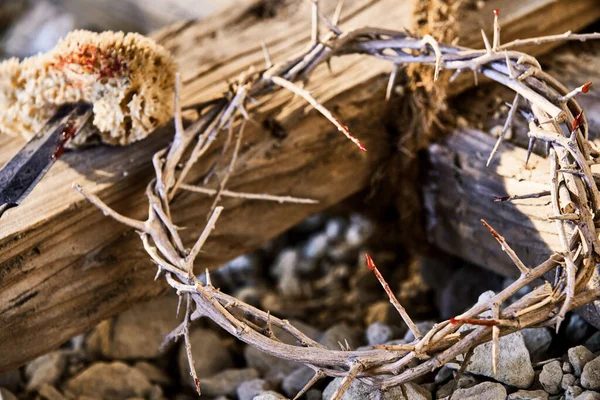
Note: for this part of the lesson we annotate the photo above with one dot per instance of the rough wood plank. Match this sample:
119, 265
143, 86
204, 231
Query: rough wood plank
64, 266
459, 187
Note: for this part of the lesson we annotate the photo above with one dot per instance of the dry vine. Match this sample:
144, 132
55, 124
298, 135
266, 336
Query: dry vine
554, 117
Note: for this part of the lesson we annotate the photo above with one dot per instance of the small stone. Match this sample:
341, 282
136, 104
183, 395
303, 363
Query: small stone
445, 390
528, 395
359, 390
6, 394
48, 392
572, 392
537, 341
551, 377
284, 269
483, 391
313, 394
577, 329
445, 373
153, 373
138, 332
156, 393
588, 395
250, 389
514, 364
334, 228
379, 333
269, 396
578, 357
567, 380
359, 230
340, 333
209, 353
416, 392
316, 247
249, 295
295, 381
423, 326
109, 380
225, 383
567, 367
590, 376
46, 369
593, 342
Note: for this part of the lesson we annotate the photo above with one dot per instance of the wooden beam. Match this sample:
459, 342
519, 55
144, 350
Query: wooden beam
64, 266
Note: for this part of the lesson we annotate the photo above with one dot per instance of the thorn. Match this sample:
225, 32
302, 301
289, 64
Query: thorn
266, 54
486, 42
529, 149
455, 75
391, 83
577, 122
338, 12
208, 280
511, 71
370, 262
585, 88
496, 30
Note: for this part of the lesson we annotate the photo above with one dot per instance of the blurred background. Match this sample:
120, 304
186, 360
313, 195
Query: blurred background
31, 26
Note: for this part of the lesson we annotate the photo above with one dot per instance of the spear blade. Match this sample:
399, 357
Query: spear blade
23, 172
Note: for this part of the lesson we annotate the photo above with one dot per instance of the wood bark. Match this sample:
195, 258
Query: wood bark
64, 266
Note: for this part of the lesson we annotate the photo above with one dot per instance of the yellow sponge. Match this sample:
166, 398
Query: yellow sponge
128, 78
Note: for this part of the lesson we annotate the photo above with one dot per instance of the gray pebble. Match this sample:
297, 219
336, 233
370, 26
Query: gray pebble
359, 391
209, 353
269, 396
537, 341
588, 395
578, 357
528, 395
295, 381
379, 333
225, 383
590, 377
551, 377
250, 389
46, 369
483, 391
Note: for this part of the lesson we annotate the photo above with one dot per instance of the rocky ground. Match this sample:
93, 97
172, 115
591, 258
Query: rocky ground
315, 276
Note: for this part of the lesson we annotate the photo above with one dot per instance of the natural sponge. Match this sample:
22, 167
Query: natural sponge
128, 78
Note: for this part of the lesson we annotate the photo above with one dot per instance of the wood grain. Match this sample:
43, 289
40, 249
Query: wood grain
64, 266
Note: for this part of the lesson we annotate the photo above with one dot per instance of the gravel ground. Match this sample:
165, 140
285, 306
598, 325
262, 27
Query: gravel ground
315, 276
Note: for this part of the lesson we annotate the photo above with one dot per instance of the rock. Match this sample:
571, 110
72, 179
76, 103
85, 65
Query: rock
48, 392
313, 394
578, 357
567, 367
379, 333
225, 383
138, 332
284, 269
483, 391
209, 353
270, 367
109, 381
242, 271
340, 333
590, 376
588, 395
445, 390
249, 295
460, 291
444, 374
423, 326
577, 329
359, 230
295, 381
359, 390
567, 380
572, 392
551, 377
46, 369
153, 373
250, 389
593, 342
335, 228
528, 395
537, 341
269, 396
6, 394
11, 380
316, 247
514, 364
416, 392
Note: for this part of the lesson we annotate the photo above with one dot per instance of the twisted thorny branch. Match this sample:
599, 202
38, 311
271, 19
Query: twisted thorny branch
553, 116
